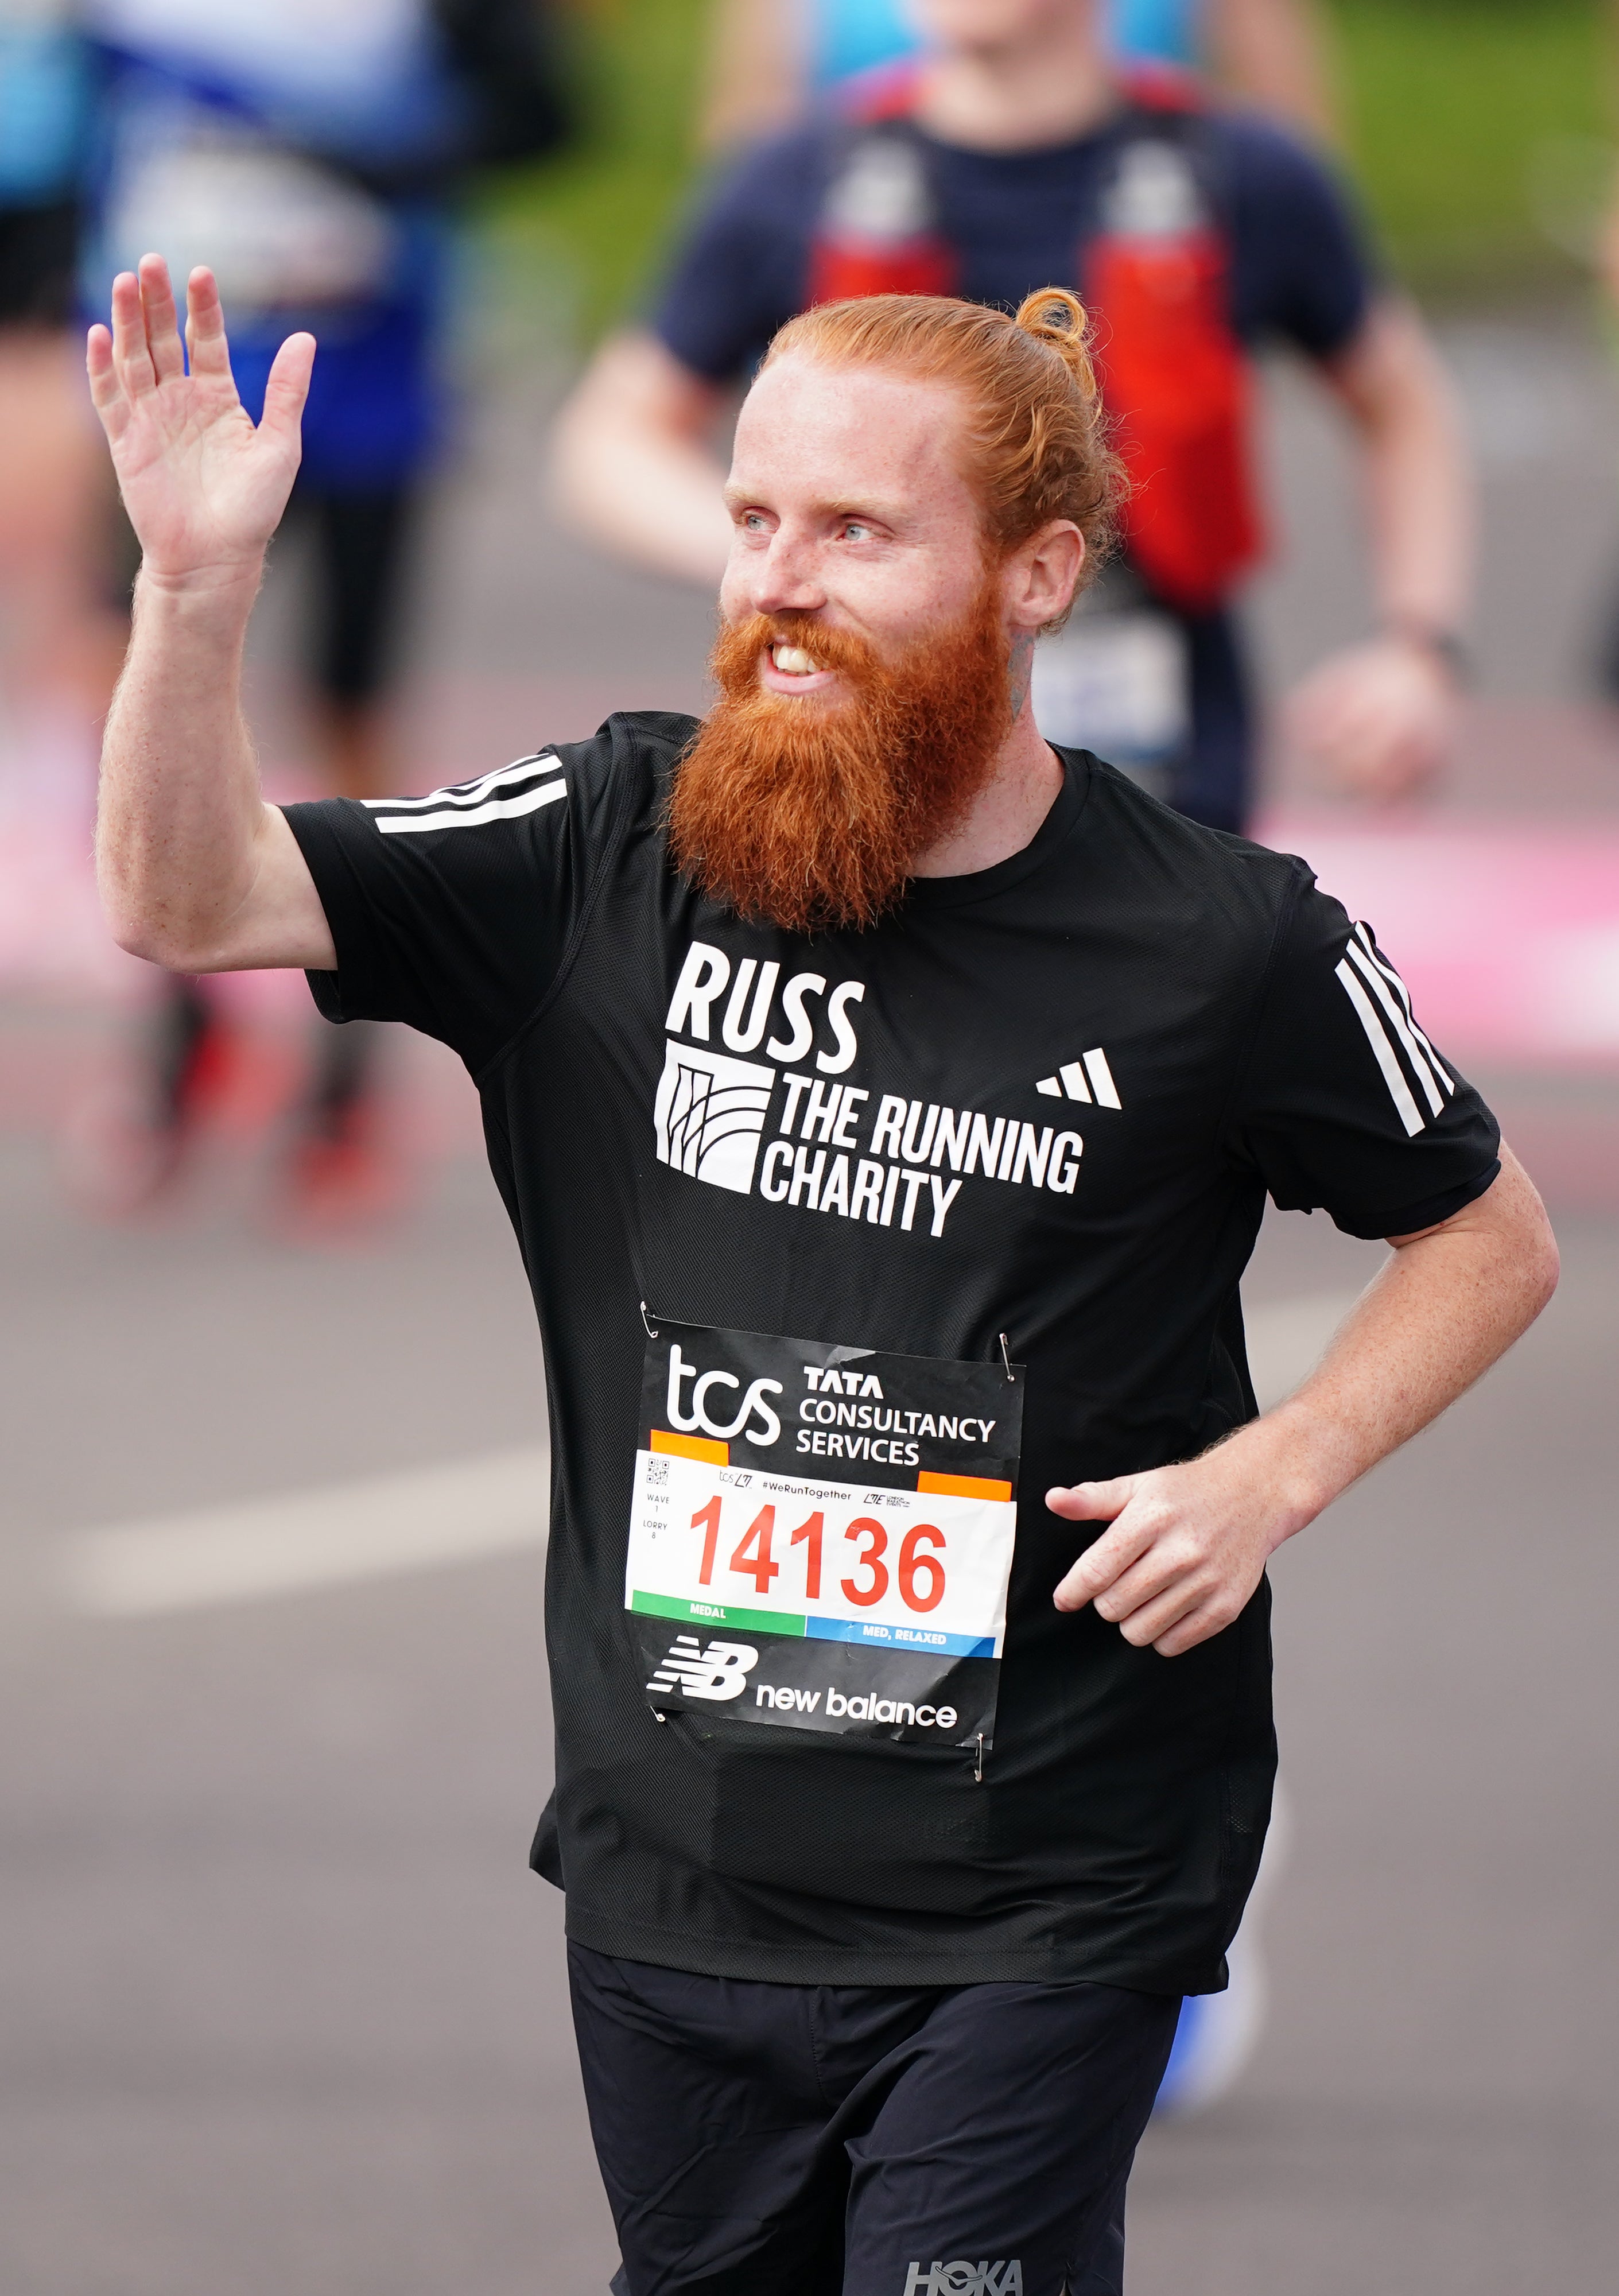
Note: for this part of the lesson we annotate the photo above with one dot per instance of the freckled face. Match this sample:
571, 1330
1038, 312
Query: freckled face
848, 507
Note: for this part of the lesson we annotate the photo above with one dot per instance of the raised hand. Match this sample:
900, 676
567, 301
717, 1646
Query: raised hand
204, 490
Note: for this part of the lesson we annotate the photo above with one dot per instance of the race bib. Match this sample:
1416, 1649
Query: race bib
821, 1537
1115, 683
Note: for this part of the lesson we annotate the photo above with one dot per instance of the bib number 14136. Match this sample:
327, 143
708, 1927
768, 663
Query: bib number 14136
919, 1575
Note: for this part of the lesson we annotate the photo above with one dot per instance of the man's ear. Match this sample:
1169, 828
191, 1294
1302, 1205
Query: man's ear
1044, 573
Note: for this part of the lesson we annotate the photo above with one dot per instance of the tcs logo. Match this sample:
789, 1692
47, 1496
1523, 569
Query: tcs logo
764, 1429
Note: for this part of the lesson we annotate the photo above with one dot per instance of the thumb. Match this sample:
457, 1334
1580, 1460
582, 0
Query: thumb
288, 387
1092, 1502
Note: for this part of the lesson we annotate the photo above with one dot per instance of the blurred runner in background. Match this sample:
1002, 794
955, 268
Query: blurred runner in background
1015, 152
57, 654
769, 56
308, 152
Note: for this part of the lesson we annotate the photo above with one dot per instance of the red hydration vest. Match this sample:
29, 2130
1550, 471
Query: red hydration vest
1154, 275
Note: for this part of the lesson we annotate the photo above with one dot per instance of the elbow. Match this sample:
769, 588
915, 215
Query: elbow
1529, 1258
573, 491
154, 941
142, 920
1536, 1263
586, 449
157, 949
1545, 1267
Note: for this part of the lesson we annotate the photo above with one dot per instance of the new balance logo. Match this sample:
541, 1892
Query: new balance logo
1089, 1078
963, 2279
719, 1672
710, 1114
1383, 1008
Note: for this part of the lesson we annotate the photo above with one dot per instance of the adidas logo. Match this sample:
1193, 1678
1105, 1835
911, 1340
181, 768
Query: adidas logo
1089, 1080
719, 1672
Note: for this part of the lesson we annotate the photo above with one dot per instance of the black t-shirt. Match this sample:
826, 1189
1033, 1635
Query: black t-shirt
1191, 1016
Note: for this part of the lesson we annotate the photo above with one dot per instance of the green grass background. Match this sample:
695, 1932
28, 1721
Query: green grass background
1478, 129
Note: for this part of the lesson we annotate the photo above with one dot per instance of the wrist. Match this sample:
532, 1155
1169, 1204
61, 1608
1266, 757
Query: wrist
1439, 643
1292, 1456
229, 579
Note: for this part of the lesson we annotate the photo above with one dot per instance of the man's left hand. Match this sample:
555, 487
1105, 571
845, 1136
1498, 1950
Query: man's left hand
1187, 1547
1382, 717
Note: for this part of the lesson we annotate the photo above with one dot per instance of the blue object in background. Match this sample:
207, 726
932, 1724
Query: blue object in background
375, 412
1156, 31
44, 101
855, 36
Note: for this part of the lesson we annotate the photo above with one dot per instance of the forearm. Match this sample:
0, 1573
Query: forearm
180, 817
645, 496
632, 468
1188, 1545
1442, 1308
1417, 478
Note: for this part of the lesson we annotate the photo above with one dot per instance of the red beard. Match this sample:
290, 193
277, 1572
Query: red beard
809, 813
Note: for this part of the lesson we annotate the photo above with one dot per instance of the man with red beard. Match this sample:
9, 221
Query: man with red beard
886, 1103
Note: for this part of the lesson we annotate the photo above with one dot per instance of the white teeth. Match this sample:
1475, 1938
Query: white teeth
792, 661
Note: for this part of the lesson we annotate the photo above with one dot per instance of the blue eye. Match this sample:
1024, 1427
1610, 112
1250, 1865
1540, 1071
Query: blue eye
854, 530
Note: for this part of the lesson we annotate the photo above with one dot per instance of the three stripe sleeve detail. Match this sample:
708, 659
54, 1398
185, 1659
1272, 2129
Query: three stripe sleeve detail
1383, 1007
505, 795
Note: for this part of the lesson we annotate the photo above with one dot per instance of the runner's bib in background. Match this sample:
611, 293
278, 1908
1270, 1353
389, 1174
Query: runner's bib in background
1118, 683
821, 1537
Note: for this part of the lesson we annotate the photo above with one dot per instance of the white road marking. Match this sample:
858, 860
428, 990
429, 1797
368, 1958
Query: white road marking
343, 1533
1288, 1338
307, 1540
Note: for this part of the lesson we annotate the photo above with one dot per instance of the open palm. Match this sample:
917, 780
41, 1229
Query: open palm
204, 488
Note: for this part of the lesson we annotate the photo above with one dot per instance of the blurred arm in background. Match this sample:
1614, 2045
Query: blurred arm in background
633, 464
758, 71
1275, 54
1383, 715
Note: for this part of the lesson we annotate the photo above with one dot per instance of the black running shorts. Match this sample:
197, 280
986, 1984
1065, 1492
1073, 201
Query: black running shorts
825, 2140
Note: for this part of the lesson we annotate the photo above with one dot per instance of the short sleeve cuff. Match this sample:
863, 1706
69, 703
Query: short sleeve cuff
350, 993
1409, 1219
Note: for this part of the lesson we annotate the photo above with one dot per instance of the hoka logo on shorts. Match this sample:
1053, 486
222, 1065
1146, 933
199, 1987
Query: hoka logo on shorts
709, 1115
719, 1672
963, 2279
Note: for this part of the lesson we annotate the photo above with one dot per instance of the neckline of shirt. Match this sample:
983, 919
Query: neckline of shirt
985, 884
1102, 131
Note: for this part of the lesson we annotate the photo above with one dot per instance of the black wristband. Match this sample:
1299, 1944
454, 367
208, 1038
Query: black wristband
1445, 646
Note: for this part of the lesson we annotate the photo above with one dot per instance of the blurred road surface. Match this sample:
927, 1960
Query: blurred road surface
282, 2010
